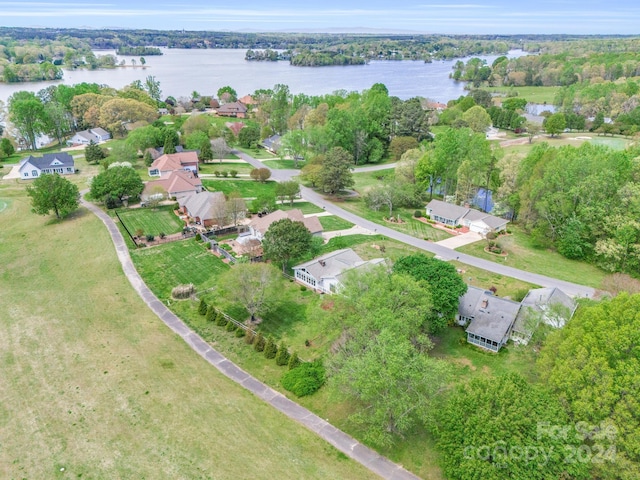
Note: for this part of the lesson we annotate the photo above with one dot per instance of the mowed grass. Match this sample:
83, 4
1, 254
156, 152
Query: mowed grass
524, 255
540, 95
96, 386
259, 153
151, 221
211, 168
280, 164
246, 188
333, 223
305, 207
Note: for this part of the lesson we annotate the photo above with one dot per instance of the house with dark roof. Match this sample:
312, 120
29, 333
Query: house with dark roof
488, 318
206, 208
234, 109
85, 137
325, 273
451, 215
171, 162
272, 143
549, 305
33, 167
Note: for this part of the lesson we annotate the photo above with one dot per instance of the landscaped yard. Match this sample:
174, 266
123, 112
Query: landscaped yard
259, 153
305, 207
524, 255
96, 386
211, 168
332, 223
283, 164
246, 188
151, 221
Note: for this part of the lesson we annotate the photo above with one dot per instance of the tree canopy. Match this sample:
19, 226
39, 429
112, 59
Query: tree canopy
118, 182
52, 192
286, 240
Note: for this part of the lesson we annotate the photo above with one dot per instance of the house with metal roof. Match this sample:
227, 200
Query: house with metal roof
325, 273
32, 167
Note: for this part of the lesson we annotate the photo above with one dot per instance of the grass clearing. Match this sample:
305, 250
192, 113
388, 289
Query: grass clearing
259, 153
96, 384
524, 255
305, 207
283, 164
247, 188
152, 221
540, 95
211, 168
332, 223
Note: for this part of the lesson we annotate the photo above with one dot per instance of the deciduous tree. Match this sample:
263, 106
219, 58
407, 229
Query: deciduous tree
286, 240
253, 285
335, 174
51, 192
27, 114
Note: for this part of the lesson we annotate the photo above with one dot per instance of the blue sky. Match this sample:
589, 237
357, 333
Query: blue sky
426, 16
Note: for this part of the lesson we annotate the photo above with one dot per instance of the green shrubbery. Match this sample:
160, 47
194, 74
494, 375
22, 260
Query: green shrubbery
270, 348
258, 343
282, 357
305, 379
202, 308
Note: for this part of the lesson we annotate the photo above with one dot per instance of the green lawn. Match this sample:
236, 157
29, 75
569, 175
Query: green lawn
96, 386
532, 94
305, 207
283, 164
366, 180
152, 221
332, 223
524, 255
211, 168
247, 188
259, 153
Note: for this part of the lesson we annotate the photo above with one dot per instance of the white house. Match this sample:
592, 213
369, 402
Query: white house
324, 273
33, 167
85, 137
475, 220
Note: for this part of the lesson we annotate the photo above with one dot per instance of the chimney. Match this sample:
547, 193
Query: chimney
485, 303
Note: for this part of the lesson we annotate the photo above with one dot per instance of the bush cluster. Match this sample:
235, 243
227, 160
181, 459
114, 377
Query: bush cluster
305, 379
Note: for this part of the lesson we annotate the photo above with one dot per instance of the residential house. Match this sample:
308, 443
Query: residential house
272, 143
234, 109
477, 221
235, 127
157, 152
247, 100
205, 208
172, 184
260, 224
325, 273
488, 318
33, 167
85, 137
171, 162
549, 305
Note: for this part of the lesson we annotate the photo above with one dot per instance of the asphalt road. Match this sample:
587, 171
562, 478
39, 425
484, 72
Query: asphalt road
444, 253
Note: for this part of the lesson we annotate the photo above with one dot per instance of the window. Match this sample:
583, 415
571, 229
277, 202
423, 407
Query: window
25, 174
69, 169
34, 173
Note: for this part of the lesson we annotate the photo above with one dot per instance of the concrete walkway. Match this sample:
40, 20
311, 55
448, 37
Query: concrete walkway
14, 173
346, 444
458, 241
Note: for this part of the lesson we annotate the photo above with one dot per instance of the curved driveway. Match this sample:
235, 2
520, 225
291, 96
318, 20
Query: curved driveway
348, 445
442, 252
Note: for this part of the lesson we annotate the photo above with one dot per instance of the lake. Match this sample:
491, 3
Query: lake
182, 71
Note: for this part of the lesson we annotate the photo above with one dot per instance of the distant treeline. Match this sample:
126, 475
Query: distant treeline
138, 51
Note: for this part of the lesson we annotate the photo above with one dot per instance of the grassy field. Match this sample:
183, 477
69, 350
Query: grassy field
211, 168
524, 255
259, 153
95, 386
573, 139
283, 164
332, 223
532, 94
152, 221
305, 207
366, 180
247, 188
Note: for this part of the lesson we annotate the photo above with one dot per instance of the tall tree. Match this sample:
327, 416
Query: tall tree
118, 182
51, 192
286, 240
289, 190
220, 148
555, 124
253, 285
335, 174
28, 115
152, 86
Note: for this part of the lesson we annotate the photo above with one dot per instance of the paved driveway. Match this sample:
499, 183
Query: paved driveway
460, 240
14, 174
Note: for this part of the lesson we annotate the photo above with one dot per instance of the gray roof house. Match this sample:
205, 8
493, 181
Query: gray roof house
204, 207
33, 167
260, 224
549, 305
272, 143
489, 318
325, 273
475, 220
85, 137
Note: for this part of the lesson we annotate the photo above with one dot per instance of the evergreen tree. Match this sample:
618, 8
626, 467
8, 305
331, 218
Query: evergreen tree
294, 361
258, 343
211, 313
270, 348
202, 308
282, 357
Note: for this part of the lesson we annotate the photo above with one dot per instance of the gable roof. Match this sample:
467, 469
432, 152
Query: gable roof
99, 131
235, 127
232, 108
48, 159
201, 204
336, 264
175, 182
174, 161
247, 100
457, 213
538, 300
262, 224
271, 143
492, 316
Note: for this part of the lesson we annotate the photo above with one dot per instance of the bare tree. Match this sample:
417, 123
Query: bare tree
254, 285
220, 148
236, 208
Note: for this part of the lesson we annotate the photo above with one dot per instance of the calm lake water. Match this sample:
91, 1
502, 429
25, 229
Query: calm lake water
182, 71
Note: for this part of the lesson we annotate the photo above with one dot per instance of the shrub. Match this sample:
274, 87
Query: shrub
294, 361
258, 343
225, 174
183, 291
162, 234
211, 314
417, 213
198, 237
306, 379
303, 288
176, 206
249, 337
240, 332
150, 237
221, 320
270, 348
202, 308
139, 232
282, 357
233, 173
231, 327
216, 173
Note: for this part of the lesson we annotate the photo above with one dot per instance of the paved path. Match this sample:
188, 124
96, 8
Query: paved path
14, 172
340, 440
439, 250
